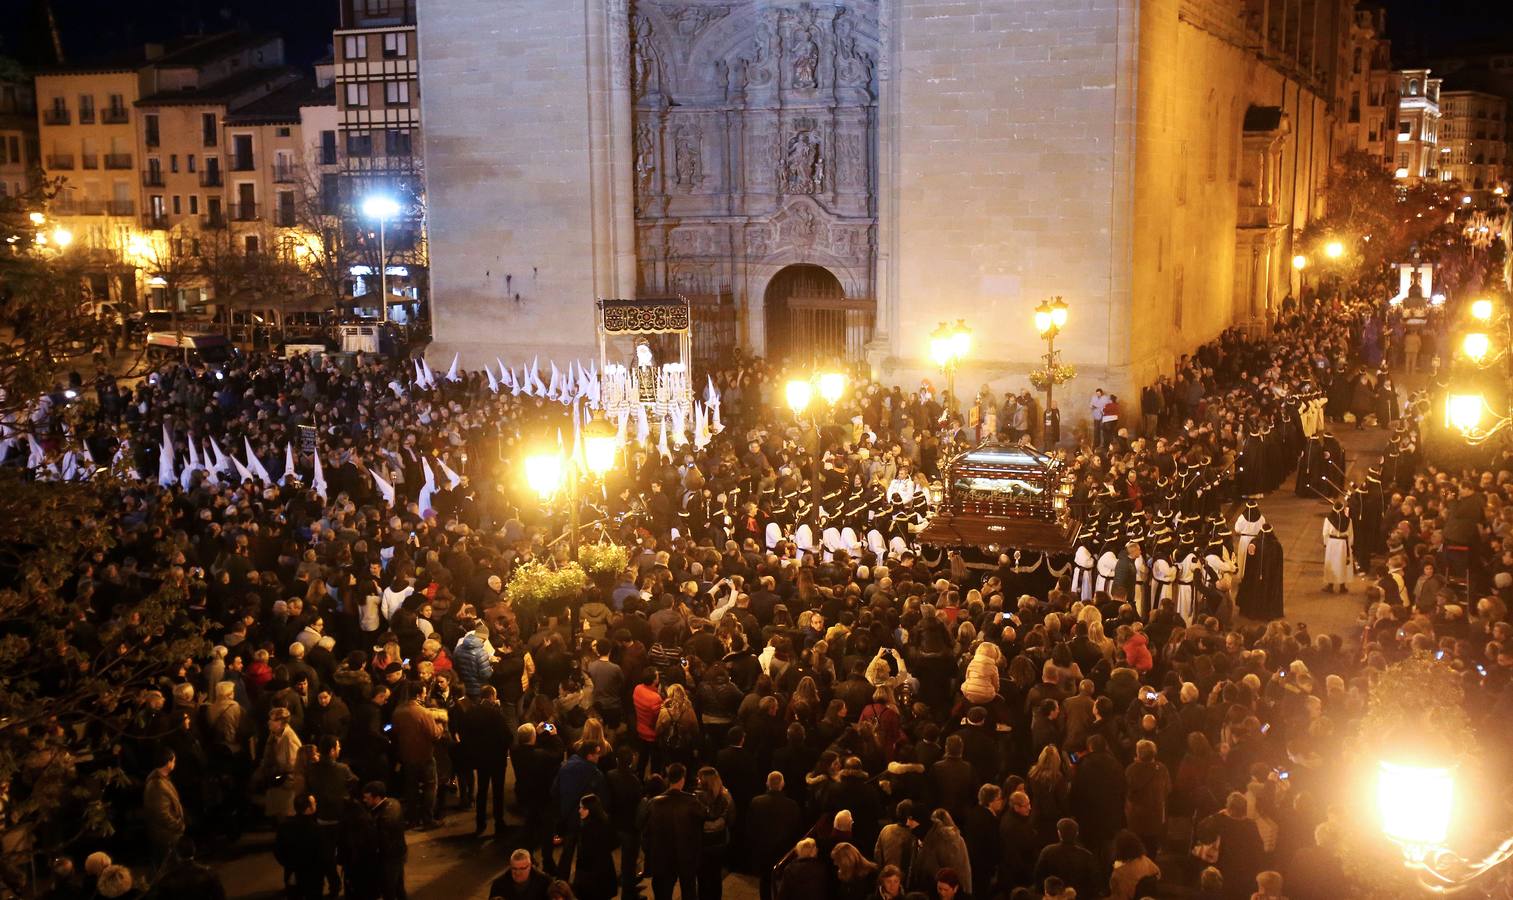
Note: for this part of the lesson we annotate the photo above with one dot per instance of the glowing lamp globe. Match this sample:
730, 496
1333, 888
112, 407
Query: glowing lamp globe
799, 393
1482, 309
543, 472
1300, 262
1334, 249
1475, 345
599, 446
1463, 412
832, 386
1415, 802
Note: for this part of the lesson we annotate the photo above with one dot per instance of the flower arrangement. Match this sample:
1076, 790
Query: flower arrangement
534, 585
1060, 373
603, 560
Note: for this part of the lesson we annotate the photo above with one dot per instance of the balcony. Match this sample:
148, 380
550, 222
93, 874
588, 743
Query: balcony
60, 161
242, 164
114, 116
79, 207
87, 116
211, 178
284, 218
121, 207
118, 161
285, 175
152, 178
156, 221
244, 212
56, 117
216, 219
89, 161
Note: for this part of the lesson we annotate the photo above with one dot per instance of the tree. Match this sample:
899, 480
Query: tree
70, 670
1378, 218
47, 314
167, 261
324, 248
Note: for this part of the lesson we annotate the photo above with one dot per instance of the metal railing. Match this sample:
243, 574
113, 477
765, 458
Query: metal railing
285, 175
89, 160
152, 178
56, 117
114, 115
243, 164
121, 207
243, 212
60, 161
211, 178
155, 221
215, 219
118, 160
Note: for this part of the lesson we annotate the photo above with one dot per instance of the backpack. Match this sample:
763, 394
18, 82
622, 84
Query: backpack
670, 732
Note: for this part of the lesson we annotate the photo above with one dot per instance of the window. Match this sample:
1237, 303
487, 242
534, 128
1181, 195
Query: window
150, 127
157, 206
241, 153
251, 245
397, 93
208, 130
1357, 62
376, 7
357, 94
397, 143
189, 162
396, 44
359, 143
15, 145
1413, 87
173, 162
194, 204
178, 205
355, 46
330, 194
328, 148
86, 108
283, 131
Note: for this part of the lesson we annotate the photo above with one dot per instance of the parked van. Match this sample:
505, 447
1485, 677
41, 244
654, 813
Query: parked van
203, 347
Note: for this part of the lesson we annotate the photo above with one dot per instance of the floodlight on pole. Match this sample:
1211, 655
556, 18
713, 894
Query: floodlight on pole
383, 208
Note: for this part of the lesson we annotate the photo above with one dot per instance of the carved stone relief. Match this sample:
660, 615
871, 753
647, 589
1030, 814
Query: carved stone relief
690, 20
804, 159
646, 162
853, 64
688, 157
646, 66
805, 55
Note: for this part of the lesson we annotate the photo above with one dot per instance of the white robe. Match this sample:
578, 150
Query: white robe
1106, 565
1245, 532
774, 534
1187, 594
1083, 571
1163, 581
1337, 552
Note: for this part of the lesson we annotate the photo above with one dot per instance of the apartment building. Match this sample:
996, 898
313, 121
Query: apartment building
1418, 122
1368, 95
86, 133
18, 137
1473, 142
377, 67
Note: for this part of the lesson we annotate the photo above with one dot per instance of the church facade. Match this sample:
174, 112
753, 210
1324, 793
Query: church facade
838, 176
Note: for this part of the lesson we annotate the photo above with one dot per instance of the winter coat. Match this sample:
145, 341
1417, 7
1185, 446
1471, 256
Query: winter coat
942, 848
1147, 786
474, 662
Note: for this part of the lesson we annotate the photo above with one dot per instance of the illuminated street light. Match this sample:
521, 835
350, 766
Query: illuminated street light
1334, 249
1300, 262
543, 472
832, 385
1481, 309
1050, 318
1415, 803
1475, 345
382, 208
799, 392
62, 237
599, 439
37, 218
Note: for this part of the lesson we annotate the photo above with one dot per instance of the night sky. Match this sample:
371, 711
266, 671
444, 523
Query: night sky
90, 28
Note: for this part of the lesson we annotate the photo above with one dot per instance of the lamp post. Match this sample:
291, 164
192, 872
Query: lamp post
1416, 803
548, 472
1050, 318
830, 386
1467, 408
1300, 265
949, 345
383, 209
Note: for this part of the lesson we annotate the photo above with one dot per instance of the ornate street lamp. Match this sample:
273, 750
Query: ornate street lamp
830, 386
949, 345
1050, 318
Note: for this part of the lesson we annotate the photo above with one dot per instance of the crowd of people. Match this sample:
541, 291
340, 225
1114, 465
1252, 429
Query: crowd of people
766, 689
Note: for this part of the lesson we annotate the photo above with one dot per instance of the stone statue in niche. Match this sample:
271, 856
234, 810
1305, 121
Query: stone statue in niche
854, 65
722, 78
758, 242
852, 158
804, 161
643, 58
688, 160
759, 72
806, 59
805, 225
646, 159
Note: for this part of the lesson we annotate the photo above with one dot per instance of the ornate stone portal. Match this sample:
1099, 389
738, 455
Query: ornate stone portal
755, 136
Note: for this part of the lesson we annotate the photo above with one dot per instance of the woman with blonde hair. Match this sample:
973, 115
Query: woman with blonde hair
855, 875
677, 728
1049, 787
981, 683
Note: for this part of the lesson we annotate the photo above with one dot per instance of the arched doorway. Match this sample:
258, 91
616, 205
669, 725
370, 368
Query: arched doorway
809, 318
